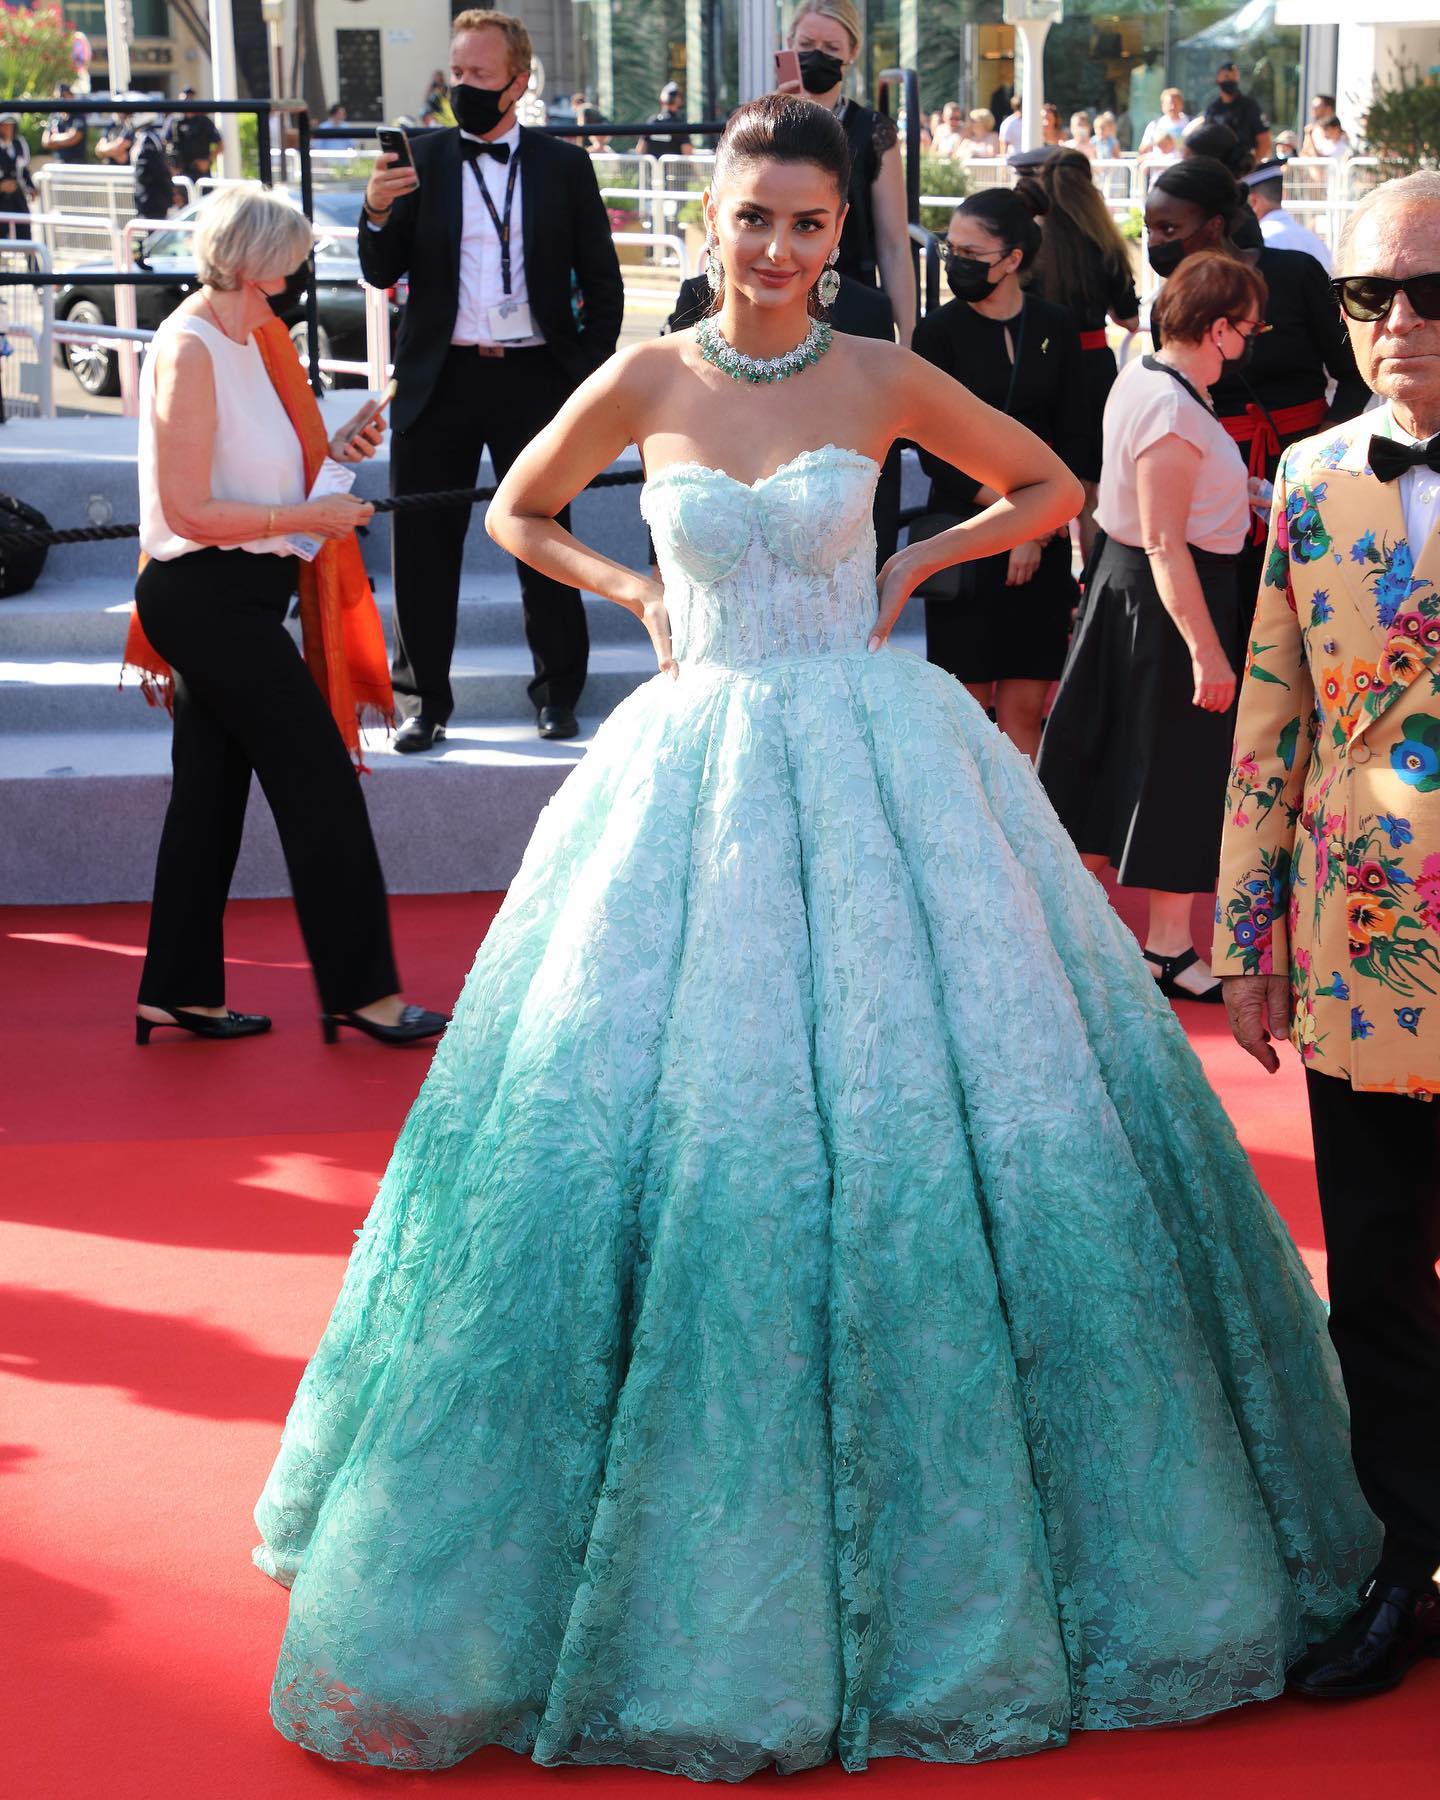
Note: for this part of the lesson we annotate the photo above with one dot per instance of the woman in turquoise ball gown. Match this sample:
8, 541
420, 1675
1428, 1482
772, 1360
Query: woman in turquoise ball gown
816, 1307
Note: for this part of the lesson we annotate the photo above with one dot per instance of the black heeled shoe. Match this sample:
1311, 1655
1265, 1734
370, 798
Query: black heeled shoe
416, 1024
1171, 966
233, 1025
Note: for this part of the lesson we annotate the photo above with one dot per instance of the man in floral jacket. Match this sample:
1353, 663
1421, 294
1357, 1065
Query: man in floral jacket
1328, 915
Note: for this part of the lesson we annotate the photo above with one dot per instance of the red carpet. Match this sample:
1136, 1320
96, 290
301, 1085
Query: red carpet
172, 1230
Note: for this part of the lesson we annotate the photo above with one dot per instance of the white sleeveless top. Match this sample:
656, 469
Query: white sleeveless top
257, 456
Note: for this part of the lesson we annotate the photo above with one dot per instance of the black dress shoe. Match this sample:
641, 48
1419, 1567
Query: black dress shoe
1375, 1647
232, 1025
416, 1024
417, 734
557, 722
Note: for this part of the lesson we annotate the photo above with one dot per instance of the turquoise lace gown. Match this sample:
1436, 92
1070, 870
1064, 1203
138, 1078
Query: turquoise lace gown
816, 1306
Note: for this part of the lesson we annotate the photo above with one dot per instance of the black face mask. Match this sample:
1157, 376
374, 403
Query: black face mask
820, 71
1237, 365
1165, 259
1228, 88
478, 110
292, 295
969, 278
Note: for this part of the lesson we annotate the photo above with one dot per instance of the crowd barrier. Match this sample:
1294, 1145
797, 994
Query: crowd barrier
654, 204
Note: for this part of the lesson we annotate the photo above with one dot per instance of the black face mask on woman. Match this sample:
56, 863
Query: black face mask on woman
1165, 259
293, 292
476, 109
969, 278
1237, 365
820, 71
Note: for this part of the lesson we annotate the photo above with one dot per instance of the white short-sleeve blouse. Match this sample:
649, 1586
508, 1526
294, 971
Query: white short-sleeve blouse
1146, 405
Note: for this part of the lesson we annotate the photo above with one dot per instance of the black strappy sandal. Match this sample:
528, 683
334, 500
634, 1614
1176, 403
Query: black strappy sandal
1171, 966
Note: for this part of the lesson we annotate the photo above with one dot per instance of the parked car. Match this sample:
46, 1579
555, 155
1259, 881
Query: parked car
87, 299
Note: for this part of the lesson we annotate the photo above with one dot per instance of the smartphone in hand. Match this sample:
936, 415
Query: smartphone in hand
394, 142
787, 68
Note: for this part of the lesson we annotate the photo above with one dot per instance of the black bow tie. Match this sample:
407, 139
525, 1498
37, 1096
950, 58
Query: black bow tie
471, 148
1389, 460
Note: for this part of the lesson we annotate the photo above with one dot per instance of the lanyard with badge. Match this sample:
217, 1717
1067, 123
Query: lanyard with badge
511, 318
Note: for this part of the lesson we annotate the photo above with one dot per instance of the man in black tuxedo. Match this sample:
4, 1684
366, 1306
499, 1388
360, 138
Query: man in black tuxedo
515, 297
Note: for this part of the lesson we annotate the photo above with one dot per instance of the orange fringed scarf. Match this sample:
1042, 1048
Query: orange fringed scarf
339, 625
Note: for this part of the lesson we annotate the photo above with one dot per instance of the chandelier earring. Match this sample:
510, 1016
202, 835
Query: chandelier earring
827, 288
714, 268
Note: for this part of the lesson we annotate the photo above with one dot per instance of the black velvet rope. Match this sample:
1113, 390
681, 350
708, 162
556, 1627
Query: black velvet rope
10, 526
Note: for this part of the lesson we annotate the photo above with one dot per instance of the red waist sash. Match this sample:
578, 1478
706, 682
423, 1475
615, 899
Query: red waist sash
1262, 430
1094, 340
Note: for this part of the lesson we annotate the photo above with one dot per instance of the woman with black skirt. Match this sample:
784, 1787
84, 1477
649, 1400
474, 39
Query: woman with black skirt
1083, 264
1137, 751
1005, 633
1277, 394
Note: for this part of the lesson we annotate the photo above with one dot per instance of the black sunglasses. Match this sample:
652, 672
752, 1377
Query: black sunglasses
1369, 297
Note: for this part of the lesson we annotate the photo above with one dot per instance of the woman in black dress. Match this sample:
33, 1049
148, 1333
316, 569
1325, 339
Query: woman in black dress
875, 243
1005, 635
1083, 264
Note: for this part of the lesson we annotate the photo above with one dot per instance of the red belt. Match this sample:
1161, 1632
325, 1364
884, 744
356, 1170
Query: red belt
1094, 340
1261, 431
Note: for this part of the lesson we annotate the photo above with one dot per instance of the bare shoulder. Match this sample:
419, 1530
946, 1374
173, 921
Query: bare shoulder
903, 382
641, 372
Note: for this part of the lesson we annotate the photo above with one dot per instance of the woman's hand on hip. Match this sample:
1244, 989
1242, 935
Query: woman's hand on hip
651, 611
336, 516
896, 582
1214, 680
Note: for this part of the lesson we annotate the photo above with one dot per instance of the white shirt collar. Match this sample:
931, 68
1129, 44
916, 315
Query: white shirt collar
1400, 437
510, 137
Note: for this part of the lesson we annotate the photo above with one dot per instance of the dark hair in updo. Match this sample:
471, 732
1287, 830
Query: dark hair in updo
1208, 137
782, 128
1203, 182
1010, 214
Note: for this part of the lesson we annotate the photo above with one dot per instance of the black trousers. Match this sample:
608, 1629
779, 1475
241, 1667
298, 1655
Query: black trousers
1377, 1162
479, 402
245, 700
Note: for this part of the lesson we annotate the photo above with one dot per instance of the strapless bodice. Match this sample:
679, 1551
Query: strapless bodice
771, 571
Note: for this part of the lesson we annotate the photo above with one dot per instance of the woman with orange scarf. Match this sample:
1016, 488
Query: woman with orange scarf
231, 441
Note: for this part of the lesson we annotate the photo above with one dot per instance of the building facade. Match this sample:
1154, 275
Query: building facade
378, 56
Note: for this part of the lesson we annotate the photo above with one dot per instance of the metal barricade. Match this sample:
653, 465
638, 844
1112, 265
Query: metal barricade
680, 182
27, 316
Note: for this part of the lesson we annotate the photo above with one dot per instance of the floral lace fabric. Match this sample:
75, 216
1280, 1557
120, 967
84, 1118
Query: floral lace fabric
816, 1305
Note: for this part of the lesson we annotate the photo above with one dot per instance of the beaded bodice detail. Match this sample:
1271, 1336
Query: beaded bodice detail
773, 571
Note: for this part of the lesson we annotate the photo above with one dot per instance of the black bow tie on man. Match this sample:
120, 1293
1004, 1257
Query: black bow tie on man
1389, 460
474, 148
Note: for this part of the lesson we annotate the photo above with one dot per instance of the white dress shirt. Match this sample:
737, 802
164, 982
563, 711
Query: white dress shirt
1281, 232
1419, 488
480, 283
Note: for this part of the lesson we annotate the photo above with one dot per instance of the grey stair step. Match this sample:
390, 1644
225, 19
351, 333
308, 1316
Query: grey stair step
87, 617
489, 681
80, 813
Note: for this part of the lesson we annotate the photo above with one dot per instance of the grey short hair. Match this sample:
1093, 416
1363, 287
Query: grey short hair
1422, 189
246, 233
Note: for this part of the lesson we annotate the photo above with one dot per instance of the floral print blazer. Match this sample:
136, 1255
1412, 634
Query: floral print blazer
1330, 862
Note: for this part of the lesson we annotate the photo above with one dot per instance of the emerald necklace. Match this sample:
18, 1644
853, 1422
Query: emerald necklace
739, 367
